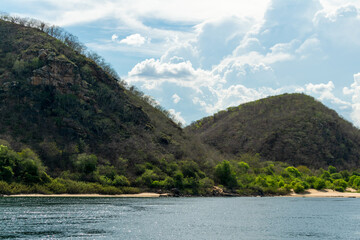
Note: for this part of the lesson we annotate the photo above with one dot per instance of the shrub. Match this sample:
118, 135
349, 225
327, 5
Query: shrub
336, 176
191, 169
243, 167
281, 183
4, 188
311, 181
120, 181
299, 188
57, 187
6, 173
148, 177
18, 188
225, 175
86, 163
41, 189
293, 171
340, 183
169, 183
104, 180
206, 183
178, 179
319, 184
304, 170
332, 169
326, 175
345, 175
261, 181
355, 181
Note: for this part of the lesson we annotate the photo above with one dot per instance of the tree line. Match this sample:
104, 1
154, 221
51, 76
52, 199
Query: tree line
24, 172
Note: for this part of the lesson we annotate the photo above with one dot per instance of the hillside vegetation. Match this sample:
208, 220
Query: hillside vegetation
68, 124
292, 128
62, 104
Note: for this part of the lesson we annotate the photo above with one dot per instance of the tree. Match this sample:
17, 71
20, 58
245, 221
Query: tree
86, 163
243, 167
332, 169
293, 171
8, 161
225, 175
121, 181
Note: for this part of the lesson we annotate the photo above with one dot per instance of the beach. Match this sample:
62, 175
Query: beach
327, 193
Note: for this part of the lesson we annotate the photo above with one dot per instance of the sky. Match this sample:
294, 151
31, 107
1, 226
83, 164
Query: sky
196, 58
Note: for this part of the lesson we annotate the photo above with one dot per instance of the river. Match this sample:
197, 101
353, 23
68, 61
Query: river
180, 218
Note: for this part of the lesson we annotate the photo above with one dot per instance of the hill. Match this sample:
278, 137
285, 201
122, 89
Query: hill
292, 128
61, 104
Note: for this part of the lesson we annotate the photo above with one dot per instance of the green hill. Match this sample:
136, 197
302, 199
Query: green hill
292, 128
61, 104
68, 124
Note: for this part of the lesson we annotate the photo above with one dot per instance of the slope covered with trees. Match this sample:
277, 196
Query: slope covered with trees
63, 104
68, 124
292, 128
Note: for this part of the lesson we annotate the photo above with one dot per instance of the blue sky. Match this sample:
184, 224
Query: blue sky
198, 57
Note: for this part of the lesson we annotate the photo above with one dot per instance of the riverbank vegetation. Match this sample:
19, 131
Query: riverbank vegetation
23, 172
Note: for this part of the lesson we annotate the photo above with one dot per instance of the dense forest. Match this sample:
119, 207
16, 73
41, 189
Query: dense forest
69, 124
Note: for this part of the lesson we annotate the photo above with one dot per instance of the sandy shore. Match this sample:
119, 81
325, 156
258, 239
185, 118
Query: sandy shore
327, 193
139, 195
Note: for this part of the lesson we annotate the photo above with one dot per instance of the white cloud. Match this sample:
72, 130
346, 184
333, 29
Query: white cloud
152, 73
176, 98
175, 10
354, 91
177, 116
309, 47
339, 27
216, 54
114, 37
326, 93
134, 40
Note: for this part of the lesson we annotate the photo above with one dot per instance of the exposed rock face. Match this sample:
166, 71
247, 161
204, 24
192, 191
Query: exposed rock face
58, 72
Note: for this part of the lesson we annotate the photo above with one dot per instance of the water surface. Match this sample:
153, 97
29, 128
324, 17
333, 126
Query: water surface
179, 218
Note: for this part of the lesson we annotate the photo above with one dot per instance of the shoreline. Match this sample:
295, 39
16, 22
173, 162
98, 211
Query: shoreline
137, 195
310, 193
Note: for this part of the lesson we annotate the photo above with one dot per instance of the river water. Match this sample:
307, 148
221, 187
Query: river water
180, 218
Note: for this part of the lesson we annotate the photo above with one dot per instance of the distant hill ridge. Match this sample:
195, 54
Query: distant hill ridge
293, 128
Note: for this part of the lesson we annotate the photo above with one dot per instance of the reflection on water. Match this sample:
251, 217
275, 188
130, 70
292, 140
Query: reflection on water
179, 218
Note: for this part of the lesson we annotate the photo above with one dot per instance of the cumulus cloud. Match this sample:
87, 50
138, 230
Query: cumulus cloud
153, 73
325, 92
177, 116
340, 27
114, 37
217, 55
176, 98
134, 40
354, 91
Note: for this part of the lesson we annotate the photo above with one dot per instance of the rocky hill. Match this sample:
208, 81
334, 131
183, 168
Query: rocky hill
60, 103
293, 128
